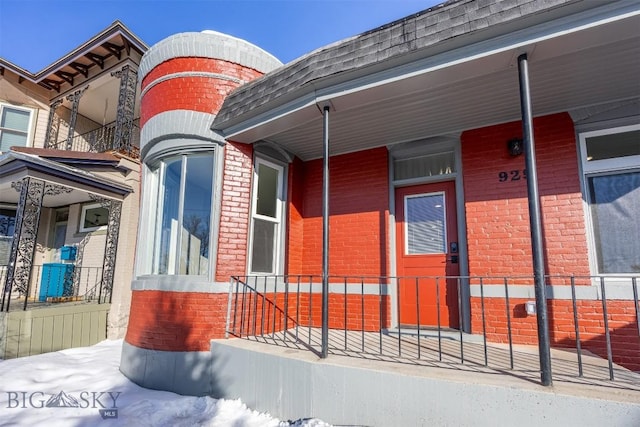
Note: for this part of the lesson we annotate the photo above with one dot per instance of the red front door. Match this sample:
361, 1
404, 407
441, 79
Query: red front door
427, 252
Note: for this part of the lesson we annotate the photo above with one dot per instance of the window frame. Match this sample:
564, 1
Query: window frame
156, 174
604, 167
278, 259
607, 165
15, 213
83, 215
29, 132
444, 223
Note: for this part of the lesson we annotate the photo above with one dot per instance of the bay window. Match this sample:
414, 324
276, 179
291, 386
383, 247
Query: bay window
183, 214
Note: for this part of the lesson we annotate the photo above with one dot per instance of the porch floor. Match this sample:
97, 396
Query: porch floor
427, 349
17, 304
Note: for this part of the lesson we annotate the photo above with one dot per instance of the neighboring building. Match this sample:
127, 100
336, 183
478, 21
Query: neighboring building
69, 182
423, 116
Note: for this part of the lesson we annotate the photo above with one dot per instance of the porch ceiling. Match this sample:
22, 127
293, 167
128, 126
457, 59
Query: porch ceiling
595, 65
17, 166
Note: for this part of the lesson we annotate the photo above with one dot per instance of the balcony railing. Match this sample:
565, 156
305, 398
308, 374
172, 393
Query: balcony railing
101, 140
53, 284
594, 321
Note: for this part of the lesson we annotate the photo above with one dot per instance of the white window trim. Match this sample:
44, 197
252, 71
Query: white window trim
607, 165
30, 126
85, 208
155, 202
279, 233
601, 167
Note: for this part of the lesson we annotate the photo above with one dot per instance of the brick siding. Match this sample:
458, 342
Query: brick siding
497, 212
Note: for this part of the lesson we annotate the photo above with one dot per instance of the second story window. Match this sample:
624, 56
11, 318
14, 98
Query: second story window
15, 126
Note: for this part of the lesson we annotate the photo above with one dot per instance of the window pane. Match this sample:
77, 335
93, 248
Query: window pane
15, 119
263, 250
7, 228
267, 200
194, 251
425, 224
59, 235
613, 145
95, 217
615, 203
168, 234
431, 165
11, 139
7, 222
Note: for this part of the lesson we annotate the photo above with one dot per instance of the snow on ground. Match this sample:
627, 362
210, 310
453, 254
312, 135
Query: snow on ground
84, 387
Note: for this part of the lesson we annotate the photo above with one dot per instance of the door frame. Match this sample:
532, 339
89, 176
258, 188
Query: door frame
416, 149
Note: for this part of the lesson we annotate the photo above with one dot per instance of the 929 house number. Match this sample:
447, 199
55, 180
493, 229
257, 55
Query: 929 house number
512, 175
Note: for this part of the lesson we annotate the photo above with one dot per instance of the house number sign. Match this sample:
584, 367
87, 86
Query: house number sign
512, 175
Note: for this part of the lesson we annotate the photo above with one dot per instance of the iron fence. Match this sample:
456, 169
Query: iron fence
594, 321
53, 284
102, 139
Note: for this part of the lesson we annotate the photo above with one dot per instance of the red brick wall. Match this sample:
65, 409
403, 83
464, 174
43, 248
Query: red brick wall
621, 317
186, 321
497, 212
234, 211
176, 321
359, 200
363, 313
198, 93
295, 220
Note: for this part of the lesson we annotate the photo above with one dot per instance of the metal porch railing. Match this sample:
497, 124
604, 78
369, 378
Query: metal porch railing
102, 139
594, 321
54, 284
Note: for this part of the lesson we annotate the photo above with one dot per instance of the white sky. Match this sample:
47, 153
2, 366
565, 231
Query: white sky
26, 384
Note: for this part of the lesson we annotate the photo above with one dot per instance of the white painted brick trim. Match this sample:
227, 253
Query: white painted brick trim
208, 45
178, 124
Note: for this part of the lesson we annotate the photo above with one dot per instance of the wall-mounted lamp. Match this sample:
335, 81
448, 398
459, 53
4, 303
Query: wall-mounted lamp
515, 146
530, 307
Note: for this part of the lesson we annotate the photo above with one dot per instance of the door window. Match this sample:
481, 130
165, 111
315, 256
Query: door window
425, 224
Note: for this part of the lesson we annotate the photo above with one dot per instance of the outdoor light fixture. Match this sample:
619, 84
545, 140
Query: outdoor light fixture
530, 307
515, 146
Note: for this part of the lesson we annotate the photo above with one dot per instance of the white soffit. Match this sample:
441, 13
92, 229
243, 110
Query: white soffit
467, 87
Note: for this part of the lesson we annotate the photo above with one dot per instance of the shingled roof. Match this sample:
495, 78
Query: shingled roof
402, 41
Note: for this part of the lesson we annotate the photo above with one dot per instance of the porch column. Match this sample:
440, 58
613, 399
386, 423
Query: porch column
75, 102
24, 239
535, 222
325, 232
52, 126
110, 246
32, 193
126, 106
